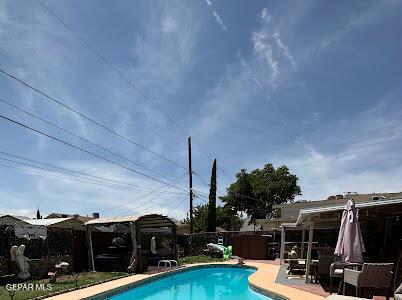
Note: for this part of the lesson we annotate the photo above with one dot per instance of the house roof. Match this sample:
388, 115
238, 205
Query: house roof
331, 202
46, 222
21, 218
62, 215
304, 213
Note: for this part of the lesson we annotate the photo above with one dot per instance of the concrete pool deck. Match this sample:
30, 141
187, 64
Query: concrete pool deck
263, 279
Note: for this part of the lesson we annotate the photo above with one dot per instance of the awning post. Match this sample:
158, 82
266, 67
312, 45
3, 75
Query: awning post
282, 252
91, 264
302, 243
310, 246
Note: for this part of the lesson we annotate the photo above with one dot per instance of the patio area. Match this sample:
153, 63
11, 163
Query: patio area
317, 269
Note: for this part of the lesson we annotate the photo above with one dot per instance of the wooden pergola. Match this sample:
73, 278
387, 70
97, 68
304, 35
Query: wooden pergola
328, 217
136, 226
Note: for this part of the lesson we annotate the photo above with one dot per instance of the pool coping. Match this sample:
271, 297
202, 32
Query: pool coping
141, 282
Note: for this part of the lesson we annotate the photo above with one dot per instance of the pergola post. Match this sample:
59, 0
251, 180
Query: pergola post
282, 251
91, 264
174, 238
133, 261
138, 234
310, 246
302, 243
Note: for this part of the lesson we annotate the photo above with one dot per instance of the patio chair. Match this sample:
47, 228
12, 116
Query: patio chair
335, 271
378, 275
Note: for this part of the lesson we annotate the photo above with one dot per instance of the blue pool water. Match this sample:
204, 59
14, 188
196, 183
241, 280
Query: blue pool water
198, 284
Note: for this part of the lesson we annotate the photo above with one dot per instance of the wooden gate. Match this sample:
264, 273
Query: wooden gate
250, 246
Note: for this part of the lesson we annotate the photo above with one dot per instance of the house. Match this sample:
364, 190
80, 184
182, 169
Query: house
289, 212
11, 219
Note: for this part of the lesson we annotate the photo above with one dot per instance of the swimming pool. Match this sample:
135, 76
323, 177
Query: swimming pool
197, 284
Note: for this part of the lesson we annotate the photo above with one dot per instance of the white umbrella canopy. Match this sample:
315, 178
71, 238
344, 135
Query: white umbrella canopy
350, 244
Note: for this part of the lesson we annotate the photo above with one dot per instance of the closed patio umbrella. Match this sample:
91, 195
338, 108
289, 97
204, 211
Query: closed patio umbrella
350, 244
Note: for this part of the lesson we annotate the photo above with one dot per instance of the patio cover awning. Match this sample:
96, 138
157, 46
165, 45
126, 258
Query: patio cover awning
112, 220
304, 214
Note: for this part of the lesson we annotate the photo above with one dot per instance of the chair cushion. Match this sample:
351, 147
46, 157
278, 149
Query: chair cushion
338, 272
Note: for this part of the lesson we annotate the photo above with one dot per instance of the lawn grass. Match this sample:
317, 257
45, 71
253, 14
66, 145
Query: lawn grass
199, 259
63, 283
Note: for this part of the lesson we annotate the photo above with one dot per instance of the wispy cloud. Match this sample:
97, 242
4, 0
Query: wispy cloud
253, 75
219, 20
370, 15
216, 16
265, 15
263, 48
360, 158
285, 49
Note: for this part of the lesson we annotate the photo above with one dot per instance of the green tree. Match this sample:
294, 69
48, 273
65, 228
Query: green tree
255, 192
211, 225
38, 215
225, 218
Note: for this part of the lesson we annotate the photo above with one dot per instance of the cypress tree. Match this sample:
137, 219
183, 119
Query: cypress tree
211, 226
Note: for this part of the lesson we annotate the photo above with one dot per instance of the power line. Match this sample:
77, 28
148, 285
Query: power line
154, 205
84, 178
120, 74
246, 207
131, 201
89, 118
55, 176
86, 151
72, 171
47, 170
111, 66
220, 192
174, 208
82, 138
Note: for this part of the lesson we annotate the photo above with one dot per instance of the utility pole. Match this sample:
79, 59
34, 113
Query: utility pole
190, 174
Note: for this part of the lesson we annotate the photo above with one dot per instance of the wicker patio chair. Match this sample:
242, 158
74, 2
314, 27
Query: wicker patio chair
335, 271
376, 275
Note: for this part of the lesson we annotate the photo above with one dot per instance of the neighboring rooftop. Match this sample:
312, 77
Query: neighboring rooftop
342, 198
62, 215
22, 218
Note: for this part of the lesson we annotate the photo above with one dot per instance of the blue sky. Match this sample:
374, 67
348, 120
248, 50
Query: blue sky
314, 85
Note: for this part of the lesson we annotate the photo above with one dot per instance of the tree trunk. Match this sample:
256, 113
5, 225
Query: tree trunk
211, 227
